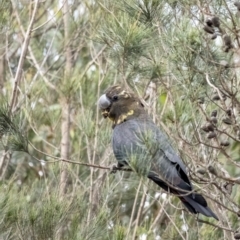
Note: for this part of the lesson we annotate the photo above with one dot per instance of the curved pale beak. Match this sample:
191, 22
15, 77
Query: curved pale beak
104, 103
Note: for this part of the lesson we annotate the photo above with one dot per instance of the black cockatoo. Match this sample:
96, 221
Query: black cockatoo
138, 143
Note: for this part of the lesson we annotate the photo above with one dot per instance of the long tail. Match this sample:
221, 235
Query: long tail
194, 202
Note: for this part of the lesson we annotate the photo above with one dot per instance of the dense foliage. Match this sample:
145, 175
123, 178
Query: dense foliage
57, 57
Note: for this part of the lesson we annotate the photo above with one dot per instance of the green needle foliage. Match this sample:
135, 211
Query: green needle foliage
11, 132
180, 57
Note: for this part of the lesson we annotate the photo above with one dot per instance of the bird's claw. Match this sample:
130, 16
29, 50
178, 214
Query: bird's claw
113, 169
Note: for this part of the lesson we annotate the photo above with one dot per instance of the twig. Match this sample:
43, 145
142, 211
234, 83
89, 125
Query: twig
50, 19
133, 211
74, 162
173, 223
22, 56
139, 213
214, 87
159, 215
215, 225
228, 179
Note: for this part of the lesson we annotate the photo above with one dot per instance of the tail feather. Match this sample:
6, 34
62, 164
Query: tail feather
188, 206
193, 206
194, 202
199, 199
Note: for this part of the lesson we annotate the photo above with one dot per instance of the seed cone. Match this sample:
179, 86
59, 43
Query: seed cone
214, 113
211, 135
224, 143
208, 29
227, 121
216, 22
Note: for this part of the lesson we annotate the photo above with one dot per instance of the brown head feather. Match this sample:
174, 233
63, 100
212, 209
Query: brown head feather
124, 105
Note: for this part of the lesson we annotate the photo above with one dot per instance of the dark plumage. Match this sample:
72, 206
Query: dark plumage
139, 143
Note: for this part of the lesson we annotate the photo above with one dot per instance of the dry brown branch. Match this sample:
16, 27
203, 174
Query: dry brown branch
74, 162
219, 175
215, 225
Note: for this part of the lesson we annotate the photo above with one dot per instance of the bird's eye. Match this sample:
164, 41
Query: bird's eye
115, 97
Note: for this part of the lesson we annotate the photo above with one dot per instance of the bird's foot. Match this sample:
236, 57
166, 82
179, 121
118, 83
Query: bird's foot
113, 169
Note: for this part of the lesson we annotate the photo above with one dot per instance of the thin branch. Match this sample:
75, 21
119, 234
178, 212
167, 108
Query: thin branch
75, 162
159, 215
214, 87
219, 175
139, 213
215, 225
173, 223
26, 42
50, 19
134, 210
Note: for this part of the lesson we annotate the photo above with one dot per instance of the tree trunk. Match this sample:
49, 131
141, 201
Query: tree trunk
65, 102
